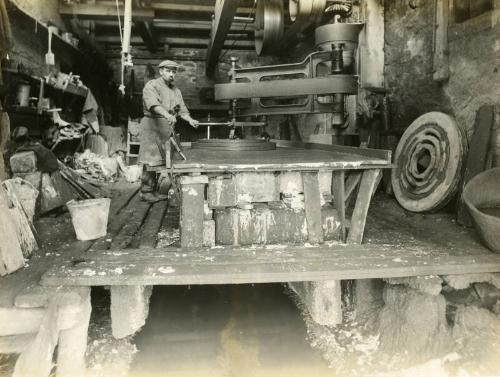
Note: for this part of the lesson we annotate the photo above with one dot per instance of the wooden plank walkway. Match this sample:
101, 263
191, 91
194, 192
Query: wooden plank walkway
169, 266
397, 244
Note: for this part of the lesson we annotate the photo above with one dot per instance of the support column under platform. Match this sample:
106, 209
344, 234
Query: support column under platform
192, 201
323, 299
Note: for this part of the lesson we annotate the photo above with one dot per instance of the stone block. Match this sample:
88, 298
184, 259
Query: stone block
413, 321
209, 233
129, 309
322, 299
266, 225
430, 284
208, 213
11, 254
222, 192
257, 187
23, 162
227, 226
192, 214
27, 195
33, 178
291, 185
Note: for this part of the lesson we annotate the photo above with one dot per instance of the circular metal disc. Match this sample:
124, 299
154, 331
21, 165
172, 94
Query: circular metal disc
236, 145
429, 159
269, 24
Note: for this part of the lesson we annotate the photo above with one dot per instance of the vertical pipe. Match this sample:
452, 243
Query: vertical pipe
127, 27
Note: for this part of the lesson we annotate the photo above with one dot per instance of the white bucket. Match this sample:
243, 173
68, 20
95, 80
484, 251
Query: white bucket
133, 173
89, 217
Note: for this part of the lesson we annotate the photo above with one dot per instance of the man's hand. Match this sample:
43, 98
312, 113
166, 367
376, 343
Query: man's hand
171, 118
194, 123
164, 113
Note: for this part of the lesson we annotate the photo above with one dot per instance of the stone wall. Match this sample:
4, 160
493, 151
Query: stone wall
473, 58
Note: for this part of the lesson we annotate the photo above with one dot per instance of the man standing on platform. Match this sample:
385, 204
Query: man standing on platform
163, 104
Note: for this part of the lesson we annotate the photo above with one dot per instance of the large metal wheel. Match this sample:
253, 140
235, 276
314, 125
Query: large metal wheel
269, 24
429, 159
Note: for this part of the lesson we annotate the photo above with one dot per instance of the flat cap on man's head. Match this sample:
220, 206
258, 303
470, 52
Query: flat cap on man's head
168, 64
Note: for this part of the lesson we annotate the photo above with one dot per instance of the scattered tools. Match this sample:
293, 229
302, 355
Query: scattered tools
177, 147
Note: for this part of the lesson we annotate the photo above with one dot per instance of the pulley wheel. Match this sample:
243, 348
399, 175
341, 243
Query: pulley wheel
306, 10
269, 24
235, 145
429, 159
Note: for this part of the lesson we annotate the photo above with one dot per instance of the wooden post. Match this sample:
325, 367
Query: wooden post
364, 289
338, 191
192, 201
322, 299
366, 189
313, 206
221, 23
441, 64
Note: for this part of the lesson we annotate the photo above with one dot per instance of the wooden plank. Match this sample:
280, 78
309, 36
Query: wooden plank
11, 254
365, 193
131, 226
183, 41
441, 64
37, 296
119, 219
367, 152
147, 32
15, 343
477, 155
14, 321
168, 154
312, 205
151, 227
371, 43
36, 360
338, 191
337, 263
221, 23
351, 183
101, 10
192, 200
289, 159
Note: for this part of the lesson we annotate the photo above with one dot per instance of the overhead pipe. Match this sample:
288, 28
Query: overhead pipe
127, 31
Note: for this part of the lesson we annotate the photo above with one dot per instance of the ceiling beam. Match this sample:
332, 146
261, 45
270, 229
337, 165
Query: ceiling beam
101, 10
147, 32
176, 24
115, 39
196, 7
225, 11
